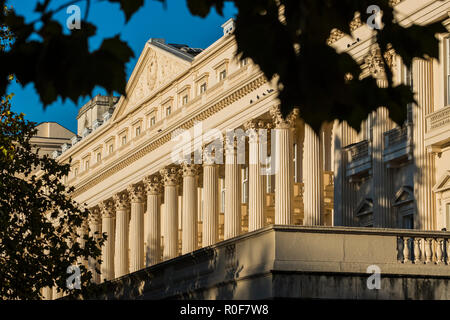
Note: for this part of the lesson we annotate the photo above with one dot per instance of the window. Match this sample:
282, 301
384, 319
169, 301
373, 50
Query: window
124, 140
245, 185
99, 157
243, 62
75, 172
111, 149
408, 221
268, 175
138, 131
184, 100
222, 195
222, 75
448, 215
168, 110
152, 121
203, 88
86, 165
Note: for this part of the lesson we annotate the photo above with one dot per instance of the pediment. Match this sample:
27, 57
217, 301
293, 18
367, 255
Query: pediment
158, 65
404, 194
443, 183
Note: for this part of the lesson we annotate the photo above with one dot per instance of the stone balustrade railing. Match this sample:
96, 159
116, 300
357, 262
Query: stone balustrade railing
438, 119
423, 249
396, 136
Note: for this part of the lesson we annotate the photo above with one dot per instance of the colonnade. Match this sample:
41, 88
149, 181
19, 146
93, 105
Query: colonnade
131, 245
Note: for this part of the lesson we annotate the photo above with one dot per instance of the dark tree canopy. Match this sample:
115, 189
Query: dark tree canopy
42, 230
311, 74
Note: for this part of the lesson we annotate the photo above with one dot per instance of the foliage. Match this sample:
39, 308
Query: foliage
40, 225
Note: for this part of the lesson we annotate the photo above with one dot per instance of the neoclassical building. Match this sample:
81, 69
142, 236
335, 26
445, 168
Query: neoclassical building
166, 180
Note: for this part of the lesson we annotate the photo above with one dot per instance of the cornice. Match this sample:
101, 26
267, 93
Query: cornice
165, 137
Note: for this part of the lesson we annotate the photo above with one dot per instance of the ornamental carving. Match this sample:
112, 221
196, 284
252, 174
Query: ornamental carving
253, 126
136, 192
235, 96
95, 216
121, 201
107, 209
279, 121
170, 176
153, 185
156, 71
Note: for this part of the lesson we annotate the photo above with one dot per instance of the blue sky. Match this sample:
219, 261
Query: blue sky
172, 22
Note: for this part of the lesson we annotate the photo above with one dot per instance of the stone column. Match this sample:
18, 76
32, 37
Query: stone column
256, 180
284, 184
153, 236
190, 215
210, 234
313, 178
425, 218
344, 191
232, 214
170, 177
95, 231
136, 193
108, 227
122, 234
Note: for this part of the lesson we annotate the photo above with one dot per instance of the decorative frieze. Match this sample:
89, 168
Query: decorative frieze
189, 123
153, 185
121, 201
107, 209
136, 193
170, 176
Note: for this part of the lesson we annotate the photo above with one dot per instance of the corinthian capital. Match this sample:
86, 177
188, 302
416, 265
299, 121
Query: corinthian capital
136, 192
170, 176
278, 119
121, 200
107, 209
152, 185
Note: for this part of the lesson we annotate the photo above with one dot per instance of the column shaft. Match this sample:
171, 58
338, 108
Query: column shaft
424, 162
283, 176
232, 214
189, 223
170, 177
256, 185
